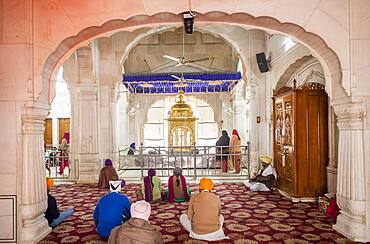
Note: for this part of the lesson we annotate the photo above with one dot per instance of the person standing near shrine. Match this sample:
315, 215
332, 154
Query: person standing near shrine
222, 151
235, 151
112, 209
64, 155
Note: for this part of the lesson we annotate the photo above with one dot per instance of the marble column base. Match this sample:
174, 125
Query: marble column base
351, 227
88, 169
34, 229
331, 173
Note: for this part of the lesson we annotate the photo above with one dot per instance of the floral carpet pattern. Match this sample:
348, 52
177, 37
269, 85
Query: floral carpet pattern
250, 217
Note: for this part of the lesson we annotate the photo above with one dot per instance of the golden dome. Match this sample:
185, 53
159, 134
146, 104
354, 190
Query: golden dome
181, 109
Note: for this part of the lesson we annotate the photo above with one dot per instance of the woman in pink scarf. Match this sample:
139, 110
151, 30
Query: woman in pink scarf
235, 151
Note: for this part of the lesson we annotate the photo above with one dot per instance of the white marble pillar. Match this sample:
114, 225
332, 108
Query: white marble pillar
33, 200
351, 196
331, 169
253, 130
114, 126
105, 125
122, 119
88, 129
240, 116
74, 128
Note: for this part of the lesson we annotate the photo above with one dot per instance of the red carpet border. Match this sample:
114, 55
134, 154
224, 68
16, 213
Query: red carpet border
250, 217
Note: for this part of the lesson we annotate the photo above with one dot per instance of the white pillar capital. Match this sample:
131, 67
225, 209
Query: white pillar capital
350, 115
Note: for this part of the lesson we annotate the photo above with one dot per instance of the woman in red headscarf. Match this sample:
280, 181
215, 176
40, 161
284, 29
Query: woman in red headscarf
235, 151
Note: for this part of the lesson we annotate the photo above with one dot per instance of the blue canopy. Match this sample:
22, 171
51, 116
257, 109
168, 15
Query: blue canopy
165, 83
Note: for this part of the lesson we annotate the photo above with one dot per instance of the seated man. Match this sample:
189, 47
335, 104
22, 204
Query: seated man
204, 220
112, 210
177, 189
137, 229
266, 178
52, 213
107, 173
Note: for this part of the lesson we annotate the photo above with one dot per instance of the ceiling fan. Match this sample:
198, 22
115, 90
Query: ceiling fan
182, 82
182, 60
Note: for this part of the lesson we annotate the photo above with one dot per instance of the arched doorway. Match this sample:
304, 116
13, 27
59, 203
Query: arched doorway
326, 55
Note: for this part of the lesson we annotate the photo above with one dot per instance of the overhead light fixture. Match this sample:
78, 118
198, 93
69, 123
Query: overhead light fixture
188, 22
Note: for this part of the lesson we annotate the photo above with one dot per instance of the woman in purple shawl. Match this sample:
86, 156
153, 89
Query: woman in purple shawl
151, 187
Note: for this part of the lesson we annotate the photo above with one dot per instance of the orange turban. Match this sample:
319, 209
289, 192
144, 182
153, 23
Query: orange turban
205, 184
49, 183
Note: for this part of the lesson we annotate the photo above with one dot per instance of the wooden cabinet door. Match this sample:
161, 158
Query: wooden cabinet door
48, 133
64, 124
283, 142
287, 147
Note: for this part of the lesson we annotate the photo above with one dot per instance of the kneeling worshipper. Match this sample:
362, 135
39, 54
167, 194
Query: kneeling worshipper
107, 173
266, 178
204, 220
112, 209
151, 188
137, 229
52, 213
177, 189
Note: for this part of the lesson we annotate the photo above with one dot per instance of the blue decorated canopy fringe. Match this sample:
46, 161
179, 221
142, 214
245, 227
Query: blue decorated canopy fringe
165, 83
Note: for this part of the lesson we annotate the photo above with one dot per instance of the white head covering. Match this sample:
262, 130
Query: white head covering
115, 185
141, 209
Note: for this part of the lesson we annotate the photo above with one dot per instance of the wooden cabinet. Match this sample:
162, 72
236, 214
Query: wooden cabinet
300, 126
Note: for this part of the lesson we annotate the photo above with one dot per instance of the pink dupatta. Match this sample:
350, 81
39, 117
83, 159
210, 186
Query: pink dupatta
171, 196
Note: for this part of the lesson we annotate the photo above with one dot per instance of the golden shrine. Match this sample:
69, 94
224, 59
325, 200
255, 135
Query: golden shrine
181, 126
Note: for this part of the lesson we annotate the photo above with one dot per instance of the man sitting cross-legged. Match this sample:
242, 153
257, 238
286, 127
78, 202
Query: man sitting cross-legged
52, 214
266, 178
112, 210
204, 220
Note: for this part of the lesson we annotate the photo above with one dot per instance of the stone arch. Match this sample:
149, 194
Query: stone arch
290, 71
315, 43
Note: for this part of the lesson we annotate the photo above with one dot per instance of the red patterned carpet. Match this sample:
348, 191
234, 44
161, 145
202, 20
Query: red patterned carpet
250, 217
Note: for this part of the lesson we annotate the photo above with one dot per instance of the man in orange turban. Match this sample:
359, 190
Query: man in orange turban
204, 220
52, 213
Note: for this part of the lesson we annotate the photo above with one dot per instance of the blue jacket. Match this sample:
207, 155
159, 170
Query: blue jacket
113, 209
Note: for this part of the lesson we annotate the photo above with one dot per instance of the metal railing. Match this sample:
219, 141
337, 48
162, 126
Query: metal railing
57, 162
196, 161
